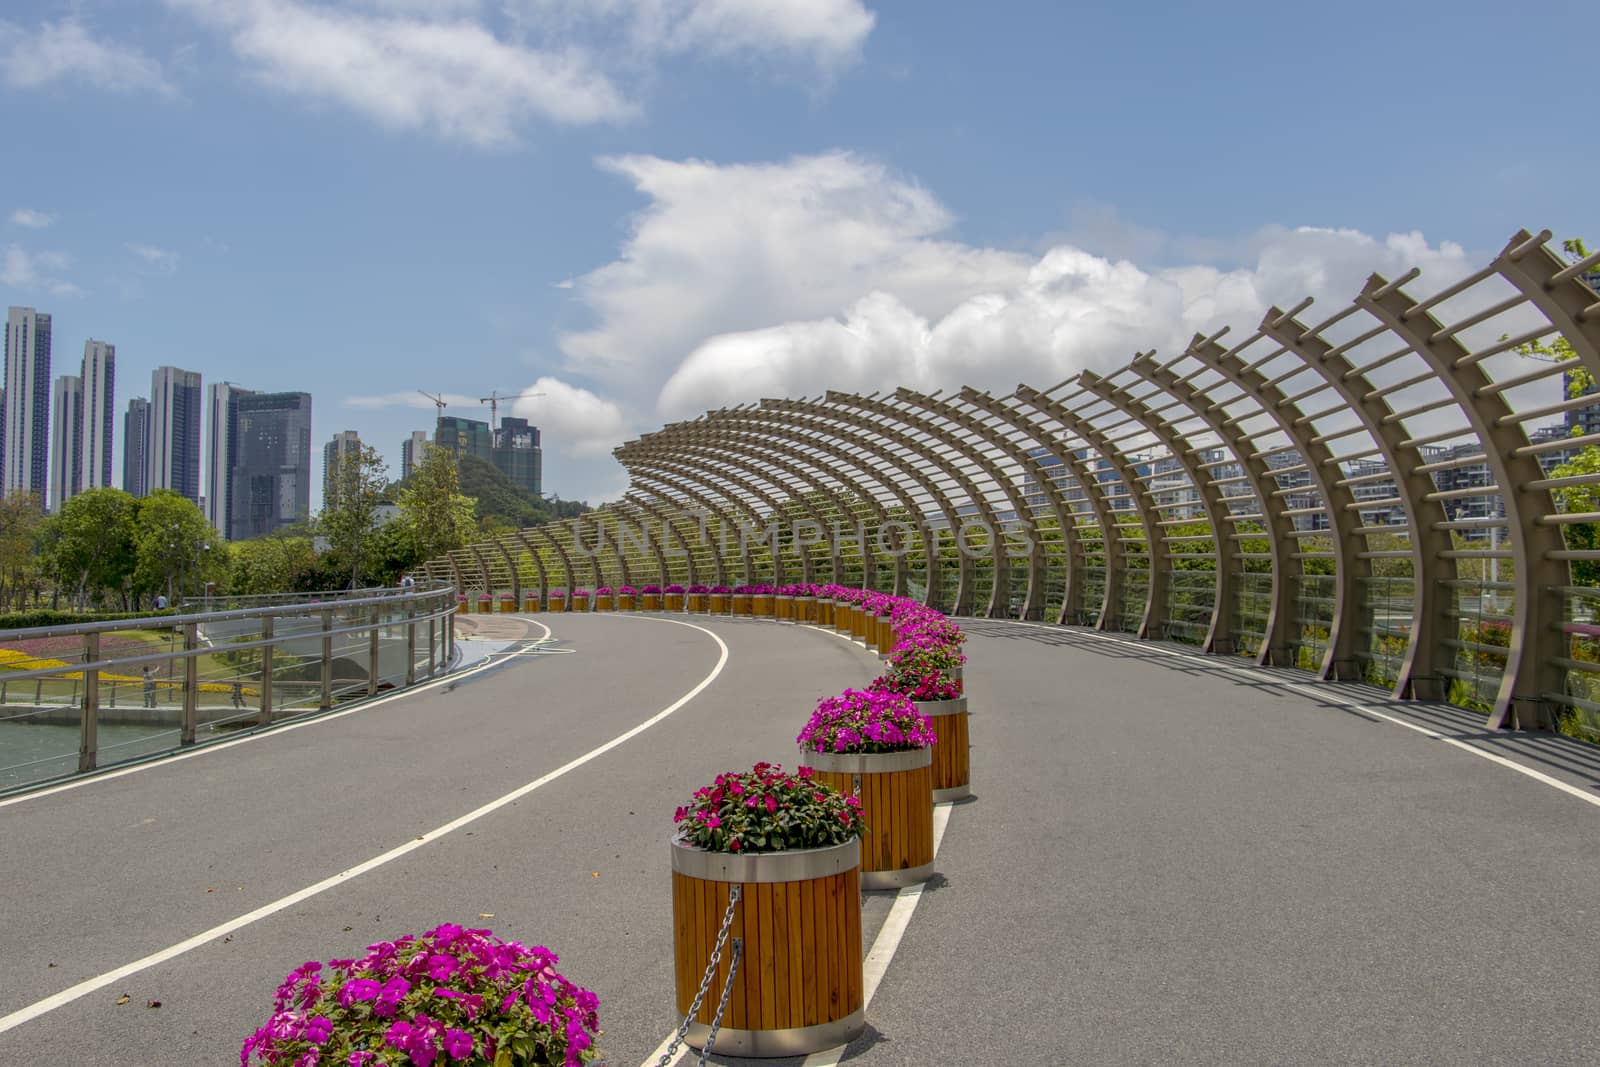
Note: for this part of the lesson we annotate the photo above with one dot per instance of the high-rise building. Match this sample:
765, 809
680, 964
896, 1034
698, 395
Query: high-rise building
270, 484
222, 454
465, 437
99, 412
175, 413
411, 450
27, 406
66, 442
518, 455
344, 443
136, 447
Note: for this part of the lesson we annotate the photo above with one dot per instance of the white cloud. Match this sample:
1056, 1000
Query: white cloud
449, 75
742, 281
18, 269
828, 33
23, 269
65, 50
579, 423
33, 220
162, 259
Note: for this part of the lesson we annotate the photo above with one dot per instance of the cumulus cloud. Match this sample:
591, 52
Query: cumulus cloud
831, 271
407, 70
65, 50
33, 220
579, 422
22, 269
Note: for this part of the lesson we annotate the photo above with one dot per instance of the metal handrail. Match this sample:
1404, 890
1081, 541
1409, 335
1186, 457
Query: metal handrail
427, 607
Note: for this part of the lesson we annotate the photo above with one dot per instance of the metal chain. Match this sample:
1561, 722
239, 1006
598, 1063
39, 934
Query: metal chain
727, 987
705, 982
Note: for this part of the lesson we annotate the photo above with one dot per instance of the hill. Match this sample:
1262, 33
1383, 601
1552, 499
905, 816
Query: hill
500, 498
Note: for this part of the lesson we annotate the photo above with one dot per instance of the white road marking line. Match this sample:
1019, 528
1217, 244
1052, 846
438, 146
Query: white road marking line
90, 985
873, 967
1334, 698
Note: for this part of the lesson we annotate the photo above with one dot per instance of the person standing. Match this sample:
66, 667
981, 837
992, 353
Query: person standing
149, 673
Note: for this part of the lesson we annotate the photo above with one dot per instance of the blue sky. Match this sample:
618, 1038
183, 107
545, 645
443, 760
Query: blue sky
644, 208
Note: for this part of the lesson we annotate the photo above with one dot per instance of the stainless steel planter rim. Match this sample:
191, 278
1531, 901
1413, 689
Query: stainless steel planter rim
796, 865
897, 878
774, 1044
867, 762
958, 706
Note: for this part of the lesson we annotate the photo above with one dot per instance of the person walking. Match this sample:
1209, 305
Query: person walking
149, 673
238, 694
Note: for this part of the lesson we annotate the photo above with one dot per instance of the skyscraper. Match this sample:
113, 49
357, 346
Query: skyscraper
136, 447
344, 443
99, 412
66, 442
518, 455
222, 454
175, 432
465, 437
411, 450
270, 483
27, 410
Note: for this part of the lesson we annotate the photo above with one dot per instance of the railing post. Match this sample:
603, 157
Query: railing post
433, 636
266, 673
411, 641
326, 700
191, 683
372, 652
89, 732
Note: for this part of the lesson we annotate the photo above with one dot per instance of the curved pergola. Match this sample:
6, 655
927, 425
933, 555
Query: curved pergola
1369, 496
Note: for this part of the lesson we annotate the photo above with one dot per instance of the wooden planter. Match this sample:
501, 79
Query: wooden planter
800, 987
761, 605
485, 605
805, 609
897, 802
578, 602
719, 603
652, 602
530, 602
624, 601
952, 765
699, 602
558, 603
602, 602
461, 605
783, 608
741, 603
858, 623
885, 633
672, 601
841, 615
508, 605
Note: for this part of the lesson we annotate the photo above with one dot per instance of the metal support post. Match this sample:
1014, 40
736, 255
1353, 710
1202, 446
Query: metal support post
411, 640
89, 732
372, 652
266, 673
325, 701
191, 683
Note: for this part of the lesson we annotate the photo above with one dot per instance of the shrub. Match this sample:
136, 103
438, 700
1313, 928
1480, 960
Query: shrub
857, 721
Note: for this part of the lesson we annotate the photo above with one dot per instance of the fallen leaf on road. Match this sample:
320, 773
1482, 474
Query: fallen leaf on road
154, 1004
481, 915
124, 999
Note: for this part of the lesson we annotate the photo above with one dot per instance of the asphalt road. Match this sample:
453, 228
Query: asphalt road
1167, 861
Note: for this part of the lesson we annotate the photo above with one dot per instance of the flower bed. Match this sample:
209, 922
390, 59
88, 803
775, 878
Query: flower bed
452, 995
627, 597
672, 597
699, 598
651, 597
602, 598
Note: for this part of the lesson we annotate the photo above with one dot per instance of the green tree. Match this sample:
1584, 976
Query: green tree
91, 543
174, 548
434, 514
272, 564
21, 525
349, 517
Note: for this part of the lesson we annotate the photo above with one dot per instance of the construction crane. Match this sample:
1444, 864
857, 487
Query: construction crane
438, 402
493, 400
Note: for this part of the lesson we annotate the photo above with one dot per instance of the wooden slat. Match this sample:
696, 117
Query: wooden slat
769, 1018
796, 939
852, 889
748, 926
810, 933
777, 939
724, 966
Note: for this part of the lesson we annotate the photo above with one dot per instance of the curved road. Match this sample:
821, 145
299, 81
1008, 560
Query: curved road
1170, 858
